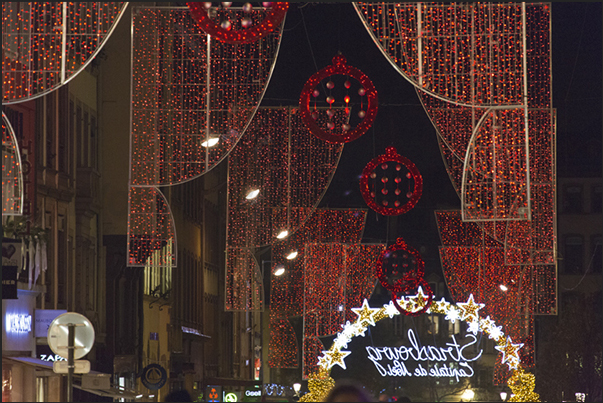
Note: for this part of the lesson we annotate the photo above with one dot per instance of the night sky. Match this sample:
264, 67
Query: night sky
315, 32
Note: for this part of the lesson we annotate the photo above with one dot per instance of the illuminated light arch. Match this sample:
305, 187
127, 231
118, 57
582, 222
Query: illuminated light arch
521, 383
273, 16
12, 171
40, 55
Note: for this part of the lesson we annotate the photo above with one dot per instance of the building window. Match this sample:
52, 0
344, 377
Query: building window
572, 199
574, 254
596, 262
595, 199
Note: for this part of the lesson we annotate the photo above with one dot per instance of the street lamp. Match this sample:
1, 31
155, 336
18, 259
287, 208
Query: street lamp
283, 234
503, 396
468, 394
292, 255
297, 388
252, 194
279, 270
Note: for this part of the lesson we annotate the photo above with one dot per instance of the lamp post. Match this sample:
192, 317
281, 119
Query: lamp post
297, 388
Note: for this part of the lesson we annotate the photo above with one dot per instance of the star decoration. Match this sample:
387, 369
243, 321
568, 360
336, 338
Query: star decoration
358, 329
510, 352
323, 361
439, 306
366, 314
469, 308
452, 314
336, 357
391, 310
473, 327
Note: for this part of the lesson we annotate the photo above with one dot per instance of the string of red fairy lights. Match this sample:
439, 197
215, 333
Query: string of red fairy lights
192, 98
39, 55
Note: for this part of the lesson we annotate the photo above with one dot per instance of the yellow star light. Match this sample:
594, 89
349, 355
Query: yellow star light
469, 308
510, 352
336, 357
366, 314
439, 306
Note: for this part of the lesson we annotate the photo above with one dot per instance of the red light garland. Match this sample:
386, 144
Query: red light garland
40, 54
333, 132
291, 171
12, 174
287, 291
150, 227
370, 179
244, 30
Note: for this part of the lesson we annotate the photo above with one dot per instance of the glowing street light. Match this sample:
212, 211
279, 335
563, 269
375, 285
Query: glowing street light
297, 388
279, 270
210, 142
468, 394
283, 234
503, 396
252, 194
292, 255
503, 287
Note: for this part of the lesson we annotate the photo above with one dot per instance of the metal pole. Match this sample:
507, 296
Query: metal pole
70, 361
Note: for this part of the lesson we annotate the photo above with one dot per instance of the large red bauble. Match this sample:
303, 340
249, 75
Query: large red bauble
408, 280
339, 67
273, 19
369, 196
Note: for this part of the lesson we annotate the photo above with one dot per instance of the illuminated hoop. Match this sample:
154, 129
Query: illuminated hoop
339, 67
521, 382
273, 19
391, 155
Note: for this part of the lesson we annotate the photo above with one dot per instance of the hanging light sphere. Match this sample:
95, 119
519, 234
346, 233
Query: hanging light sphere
226, 25
330, 125
207, 5
227, 4
346, 127
346, 99
314, 115
361, 114
267, 4
384, 166
347, 84
330, 85
330, 99
246, 22
409, 194
361, 92
315, 93
397, 192
330, 113
247, 7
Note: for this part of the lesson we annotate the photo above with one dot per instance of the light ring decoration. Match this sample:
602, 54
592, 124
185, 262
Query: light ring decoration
339, 67
274, 17
369, 196
521, 382
407, 281
12, 171
420, 284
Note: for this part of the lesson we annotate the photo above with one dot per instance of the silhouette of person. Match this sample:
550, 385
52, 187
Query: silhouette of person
346, 391
178, 396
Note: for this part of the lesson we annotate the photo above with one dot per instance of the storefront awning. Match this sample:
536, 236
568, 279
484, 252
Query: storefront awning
113, 392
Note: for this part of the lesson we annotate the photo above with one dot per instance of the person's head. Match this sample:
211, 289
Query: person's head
178, 396
345, 391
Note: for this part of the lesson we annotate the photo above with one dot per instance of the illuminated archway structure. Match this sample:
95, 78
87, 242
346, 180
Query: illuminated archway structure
521, 382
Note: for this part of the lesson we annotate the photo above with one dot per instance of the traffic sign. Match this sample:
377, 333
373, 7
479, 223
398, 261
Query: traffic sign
58, 334
80, 367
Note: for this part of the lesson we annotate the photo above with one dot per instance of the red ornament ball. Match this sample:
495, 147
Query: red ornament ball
330, 85
315, 93
346, 84
361, 114
361, 92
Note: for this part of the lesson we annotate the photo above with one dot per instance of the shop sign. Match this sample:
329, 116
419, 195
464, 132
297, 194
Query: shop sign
213, 393
447, 361
18, 323
44, 318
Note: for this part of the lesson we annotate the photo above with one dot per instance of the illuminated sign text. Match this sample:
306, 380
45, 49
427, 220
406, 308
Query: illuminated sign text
18, 323
392, 361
